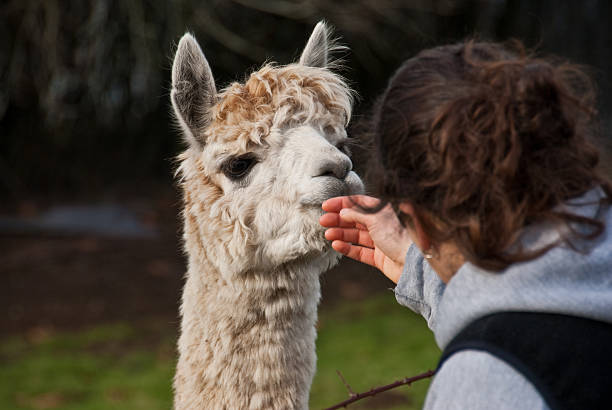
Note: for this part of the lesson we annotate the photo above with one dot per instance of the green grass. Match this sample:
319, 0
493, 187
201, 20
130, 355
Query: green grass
122, 366
372, 343
102, 368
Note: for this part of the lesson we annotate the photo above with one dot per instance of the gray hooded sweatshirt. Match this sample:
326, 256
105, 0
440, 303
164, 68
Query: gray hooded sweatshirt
561, 281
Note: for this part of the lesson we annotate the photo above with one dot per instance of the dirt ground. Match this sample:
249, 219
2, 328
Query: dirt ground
62, 282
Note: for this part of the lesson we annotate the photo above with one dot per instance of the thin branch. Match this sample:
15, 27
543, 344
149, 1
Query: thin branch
408, 380
348, 387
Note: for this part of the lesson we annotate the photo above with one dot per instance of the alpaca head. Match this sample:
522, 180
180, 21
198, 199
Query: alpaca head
262, 156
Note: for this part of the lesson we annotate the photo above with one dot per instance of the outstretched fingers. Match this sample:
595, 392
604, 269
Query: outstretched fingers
351, 235
359, 253
341, 202
333, 219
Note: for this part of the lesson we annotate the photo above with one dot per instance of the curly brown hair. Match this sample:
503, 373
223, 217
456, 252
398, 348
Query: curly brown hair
484, 139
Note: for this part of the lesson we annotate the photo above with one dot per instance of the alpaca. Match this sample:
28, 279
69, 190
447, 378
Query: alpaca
262, 156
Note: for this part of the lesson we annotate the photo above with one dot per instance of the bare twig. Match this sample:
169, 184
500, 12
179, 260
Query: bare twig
354, 397
348, 387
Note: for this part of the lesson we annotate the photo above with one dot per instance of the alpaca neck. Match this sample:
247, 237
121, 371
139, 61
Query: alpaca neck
249, 343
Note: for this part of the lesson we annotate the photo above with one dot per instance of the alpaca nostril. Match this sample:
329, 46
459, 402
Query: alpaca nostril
344, 170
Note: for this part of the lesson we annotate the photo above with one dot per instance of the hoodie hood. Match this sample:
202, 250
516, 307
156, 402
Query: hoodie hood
560, 281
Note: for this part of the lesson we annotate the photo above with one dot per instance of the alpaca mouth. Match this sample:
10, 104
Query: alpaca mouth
333, 187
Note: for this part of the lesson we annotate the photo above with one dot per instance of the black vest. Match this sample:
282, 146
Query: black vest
568, 359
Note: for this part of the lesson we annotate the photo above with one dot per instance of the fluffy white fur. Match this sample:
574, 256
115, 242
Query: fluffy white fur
254, 245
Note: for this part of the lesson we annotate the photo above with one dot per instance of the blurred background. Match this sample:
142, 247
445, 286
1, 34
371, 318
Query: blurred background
90, 253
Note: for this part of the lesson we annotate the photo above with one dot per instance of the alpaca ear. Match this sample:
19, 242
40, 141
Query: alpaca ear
193, 90
316, 51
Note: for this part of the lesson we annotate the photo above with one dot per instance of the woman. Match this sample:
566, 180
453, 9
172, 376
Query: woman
493, 221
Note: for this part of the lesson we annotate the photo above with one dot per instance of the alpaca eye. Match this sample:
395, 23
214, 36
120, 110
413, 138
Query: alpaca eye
238, 167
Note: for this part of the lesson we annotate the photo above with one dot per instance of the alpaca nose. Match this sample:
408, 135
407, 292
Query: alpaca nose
338, 168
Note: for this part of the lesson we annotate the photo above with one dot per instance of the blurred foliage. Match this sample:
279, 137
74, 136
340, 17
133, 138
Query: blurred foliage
84, 83
373, 343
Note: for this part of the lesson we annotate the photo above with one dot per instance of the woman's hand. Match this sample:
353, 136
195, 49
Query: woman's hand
376, 239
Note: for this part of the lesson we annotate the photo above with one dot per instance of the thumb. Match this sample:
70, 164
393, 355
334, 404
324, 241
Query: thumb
349, 215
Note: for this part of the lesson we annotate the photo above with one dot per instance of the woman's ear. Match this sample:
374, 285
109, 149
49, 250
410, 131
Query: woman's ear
420, 237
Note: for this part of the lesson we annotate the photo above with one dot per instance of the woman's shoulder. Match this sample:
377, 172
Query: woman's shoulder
478, 380
563, 280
